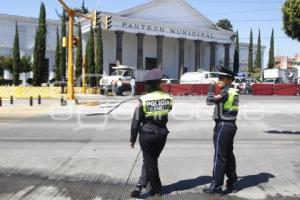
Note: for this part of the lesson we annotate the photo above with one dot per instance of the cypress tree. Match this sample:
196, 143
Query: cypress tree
99, 54
57, 58
84, 9
35, 65
16, 58
258, 53
236, 62
40, 70
78, 71
250, 53
63, 49
271, 62
90, 58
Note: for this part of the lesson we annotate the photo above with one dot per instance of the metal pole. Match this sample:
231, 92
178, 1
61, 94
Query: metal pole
70, 59
83, 75
11, 100
0, 101
30, 101
39, 100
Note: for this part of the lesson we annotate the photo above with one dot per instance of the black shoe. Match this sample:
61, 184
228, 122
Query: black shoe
136, 191
210, 191
231, 187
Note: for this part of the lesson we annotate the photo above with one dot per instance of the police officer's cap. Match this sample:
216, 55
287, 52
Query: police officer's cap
223, 72
153, 75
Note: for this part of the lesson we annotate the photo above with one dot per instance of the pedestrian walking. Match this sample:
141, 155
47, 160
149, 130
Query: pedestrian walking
225, 114
149, 121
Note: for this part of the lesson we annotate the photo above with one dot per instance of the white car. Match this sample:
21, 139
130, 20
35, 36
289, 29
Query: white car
200, 77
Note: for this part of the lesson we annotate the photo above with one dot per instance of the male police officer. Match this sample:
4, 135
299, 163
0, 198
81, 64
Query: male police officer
225, 114
150, 119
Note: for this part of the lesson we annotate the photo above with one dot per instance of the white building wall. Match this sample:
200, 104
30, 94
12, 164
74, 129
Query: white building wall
27, 31
109, 53
129, 49
170, 57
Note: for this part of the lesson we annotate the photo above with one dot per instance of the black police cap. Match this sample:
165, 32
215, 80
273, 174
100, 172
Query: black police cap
224, 72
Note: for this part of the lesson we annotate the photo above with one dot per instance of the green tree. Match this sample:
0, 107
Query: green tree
291, 18
26, 64
271, 62
99, 54
57, 57
250, 53
16, 58
79, 59
225, 24
236, 62
258, 53
40, 70
63, 49
90, 58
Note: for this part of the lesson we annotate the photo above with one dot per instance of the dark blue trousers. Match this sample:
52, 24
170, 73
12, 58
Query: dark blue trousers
152, 141
224, 159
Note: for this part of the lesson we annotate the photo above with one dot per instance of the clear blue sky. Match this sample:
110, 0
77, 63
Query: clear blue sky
244, 14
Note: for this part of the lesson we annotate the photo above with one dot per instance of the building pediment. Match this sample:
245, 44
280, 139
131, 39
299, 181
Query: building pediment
177, 12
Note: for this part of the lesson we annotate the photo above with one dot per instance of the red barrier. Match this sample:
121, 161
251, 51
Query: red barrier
200, 89
285, 89
181, 89
140, 88
165, 87
262, 89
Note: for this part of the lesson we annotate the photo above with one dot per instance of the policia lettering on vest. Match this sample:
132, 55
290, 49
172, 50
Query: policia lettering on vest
149, 121
225, 114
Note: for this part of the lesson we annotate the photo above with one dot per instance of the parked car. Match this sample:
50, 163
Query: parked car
200, 77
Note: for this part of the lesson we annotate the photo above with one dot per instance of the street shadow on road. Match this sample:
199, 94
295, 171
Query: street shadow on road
283, 132
253, 180
182, 185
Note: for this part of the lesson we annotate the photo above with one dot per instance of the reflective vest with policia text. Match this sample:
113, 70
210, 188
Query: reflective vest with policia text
232, 103
156, 104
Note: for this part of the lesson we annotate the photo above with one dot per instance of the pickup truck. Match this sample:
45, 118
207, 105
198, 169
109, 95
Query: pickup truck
125, 73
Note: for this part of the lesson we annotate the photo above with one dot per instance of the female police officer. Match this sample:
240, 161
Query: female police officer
150, 119
226, 110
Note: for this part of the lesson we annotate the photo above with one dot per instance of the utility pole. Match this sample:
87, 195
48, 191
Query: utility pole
72, 14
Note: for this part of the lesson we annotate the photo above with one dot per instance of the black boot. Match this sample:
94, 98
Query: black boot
231, 186
212, 191
136, 191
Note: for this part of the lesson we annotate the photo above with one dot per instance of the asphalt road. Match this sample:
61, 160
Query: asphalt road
83, 152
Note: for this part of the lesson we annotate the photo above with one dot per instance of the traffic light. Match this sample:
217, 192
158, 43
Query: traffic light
76, 41
107, 22
96, 19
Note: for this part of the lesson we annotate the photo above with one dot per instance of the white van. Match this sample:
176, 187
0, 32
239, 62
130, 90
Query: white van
200, 77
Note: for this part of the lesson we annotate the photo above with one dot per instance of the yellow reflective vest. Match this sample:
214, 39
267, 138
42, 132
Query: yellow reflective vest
156, 104
232, 102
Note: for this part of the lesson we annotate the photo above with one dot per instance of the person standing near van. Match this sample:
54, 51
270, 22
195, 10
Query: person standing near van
132, 85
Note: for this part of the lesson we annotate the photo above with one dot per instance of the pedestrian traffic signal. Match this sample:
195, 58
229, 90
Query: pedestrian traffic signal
107, 22
76, 41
